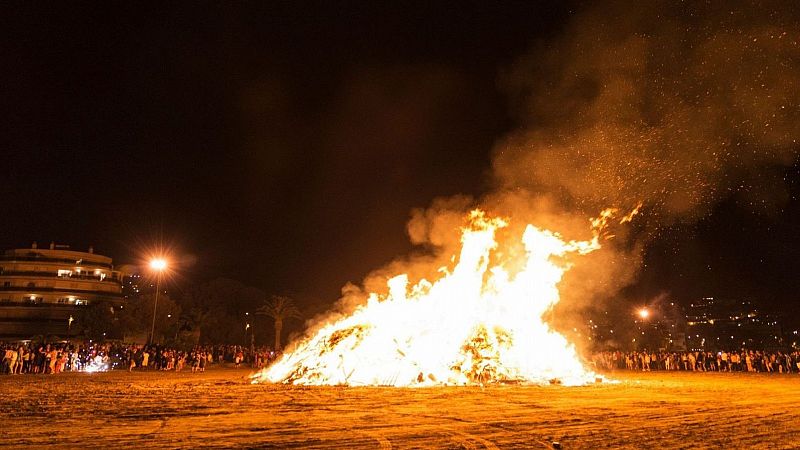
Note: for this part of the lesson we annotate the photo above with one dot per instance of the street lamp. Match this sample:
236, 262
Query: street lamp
158, 265
252, 333
643, 314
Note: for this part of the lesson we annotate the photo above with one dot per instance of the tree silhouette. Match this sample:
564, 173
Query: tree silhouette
95, 321
137, 316
216, 309
279, 308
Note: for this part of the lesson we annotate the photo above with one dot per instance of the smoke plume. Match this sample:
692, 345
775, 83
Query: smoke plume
676, 106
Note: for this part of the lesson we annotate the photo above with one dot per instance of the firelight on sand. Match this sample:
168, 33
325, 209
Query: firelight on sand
479, 323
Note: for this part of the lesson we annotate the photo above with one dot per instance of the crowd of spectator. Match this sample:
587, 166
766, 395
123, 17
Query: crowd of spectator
704, 361
53, 358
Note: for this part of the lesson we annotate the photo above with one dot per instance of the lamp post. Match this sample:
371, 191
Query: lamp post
252, 333
644, 315
158, 265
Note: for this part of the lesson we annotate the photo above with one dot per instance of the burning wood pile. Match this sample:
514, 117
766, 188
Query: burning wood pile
480, 322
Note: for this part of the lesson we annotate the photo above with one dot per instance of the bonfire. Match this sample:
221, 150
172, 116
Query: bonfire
480, 322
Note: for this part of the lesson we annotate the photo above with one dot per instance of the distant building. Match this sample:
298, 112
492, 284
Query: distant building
42, 290
726, 324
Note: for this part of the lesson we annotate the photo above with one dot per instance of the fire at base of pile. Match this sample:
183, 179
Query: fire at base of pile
477, 324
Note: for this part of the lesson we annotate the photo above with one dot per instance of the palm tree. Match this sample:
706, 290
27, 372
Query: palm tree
194, 320
279, 308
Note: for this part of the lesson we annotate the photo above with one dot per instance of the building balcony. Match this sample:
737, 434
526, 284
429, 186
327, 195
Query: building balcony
66, 261
89, 276
42, 289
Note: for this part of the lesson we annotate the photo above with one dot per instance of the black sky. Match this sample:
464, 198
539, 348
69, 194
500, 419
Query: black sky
284, 144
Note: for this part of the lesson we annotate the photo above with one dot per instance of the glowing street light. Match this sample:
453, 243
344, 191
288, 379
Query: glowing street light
158, 265
252, 330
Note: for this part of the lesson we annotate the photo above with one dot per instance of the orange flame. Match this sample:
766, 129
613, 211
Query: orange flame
474, 325
629, 217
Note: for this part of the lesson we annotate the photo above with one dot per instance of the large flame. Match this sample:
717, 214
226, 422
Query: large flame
476, 324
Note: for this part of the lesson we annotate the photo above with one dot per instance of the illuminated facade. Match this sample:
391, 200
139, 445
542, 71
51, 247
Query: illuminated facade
42, 290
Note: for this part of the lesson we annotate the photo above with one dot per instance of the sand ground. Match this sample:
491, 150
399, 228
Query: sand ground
219, 408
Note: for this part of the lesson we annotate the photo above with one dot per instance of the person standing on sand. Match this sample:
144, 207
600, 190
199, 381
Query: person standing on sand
195, 360
27, 357
46, 360
59, 362
20, 359
52, 358
36, 361
12, 357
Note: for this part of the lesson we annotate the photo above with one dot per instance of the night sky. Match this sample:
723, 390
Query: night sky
285, 144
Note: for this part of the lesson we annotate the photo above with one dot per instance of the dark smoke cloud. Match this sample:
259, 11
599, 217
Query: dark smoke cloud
673, 104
